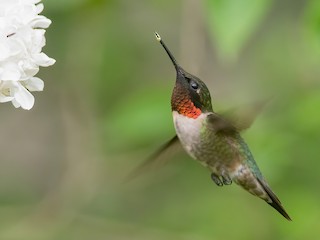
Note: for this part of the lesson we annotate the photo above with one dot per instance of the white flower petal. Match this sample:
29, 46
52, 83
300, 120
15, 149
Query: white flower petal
22, 37
35, 1
7, 88
43, 60
4, 98
40, 22
38, 40
34, 84
5, 91
23, 98
10, 71
40, 7
15, 103
29, 69
4, 50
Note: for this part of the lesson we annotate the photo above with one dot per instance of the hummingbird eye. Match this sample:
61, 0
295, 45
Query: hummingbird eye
194, 85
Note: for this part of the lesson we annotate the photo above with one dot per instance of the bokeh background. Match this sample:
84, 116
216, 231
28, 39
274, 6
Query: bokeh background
106, 107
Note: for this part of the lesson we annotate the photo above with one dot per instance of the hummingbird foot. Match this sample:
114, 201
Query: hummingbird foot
216, 179
226, 179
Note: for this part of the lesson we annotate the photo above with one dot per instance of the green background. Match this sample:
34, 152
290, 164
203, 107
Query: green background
106, 107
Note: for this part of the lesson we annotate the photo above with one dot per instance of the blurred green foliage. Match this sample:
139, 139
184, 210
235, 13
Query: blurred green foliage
106, 106
232, 23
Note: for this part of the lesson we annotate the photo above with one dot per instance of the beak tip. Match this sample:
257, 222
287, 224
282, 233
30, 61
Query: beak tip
157, 36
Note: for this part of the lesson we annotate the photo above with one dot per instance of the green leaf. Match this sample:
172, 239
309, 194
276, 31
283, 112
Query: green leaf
232, 22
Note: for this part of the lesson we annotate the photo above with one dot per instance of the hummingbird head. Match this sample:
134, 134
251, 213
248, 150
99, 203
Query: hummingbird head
190, 96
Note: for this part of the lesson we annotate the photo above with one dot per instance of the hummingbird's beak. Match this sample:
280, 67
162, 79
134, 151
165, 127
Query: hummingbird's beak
176, 65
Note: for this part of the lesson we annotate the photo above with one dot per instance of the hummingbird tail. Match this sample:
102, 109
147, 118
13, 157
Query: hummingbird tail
275, 202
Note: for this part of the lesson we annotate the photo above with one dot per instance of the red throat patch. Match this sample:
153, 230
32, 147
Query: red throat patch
188, 109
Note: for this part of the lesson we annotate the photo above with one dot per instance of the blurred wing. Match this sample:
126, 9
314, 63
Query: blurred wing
156, 159
220, 124
243, 117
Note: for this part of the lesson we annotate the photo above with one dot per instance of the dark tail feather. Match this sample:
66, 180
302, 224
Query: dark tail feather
276, 204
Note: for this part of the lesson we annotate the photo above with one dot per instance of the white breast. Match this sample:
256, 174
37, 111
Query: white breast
188, 130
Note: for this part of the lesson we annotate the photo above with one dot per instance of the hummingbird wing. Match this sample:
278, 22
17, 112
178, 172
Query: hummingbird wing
242, 117
155, 159
220, 124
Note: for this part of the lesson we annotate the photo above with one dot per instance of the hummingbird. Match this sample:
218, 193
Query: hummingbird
213, 139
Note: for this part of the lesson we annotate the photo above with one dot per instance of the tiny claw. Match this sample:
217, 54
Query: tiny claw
226, 179
216, 179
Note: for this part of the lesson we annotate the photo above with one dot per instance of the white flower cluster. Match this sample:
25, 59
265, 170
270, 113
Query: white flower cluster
21, 41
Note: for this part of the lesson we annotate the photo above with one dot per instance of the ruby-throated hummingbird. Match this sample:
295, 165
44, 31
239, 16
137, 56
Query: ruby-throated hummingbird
213, 139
